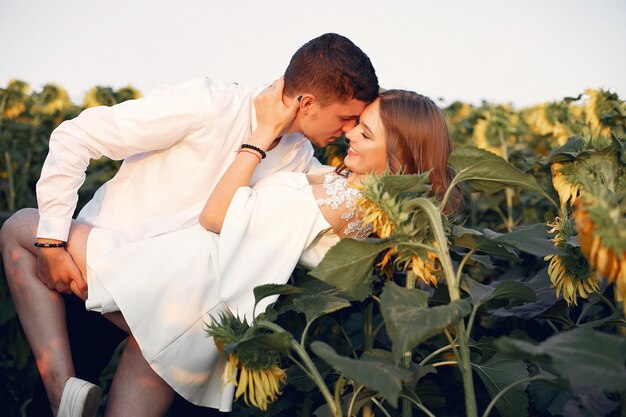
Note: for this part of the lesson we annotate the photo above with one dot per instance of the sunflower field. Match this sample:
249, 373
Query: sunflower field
511, 306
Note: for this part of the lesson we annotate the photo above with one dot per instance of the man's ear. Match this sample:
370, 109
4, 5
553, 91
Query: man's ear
306, 102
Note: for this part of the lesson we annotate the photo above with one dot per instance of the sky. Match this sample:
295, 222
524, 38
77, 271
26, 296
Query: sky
520, 52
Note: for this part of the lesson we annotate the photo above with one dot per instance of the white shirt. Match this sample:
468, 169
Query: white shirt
176, 143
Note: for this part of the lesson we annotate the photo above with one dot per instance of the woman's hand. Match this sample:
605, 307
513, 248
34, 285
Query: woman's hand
274, 117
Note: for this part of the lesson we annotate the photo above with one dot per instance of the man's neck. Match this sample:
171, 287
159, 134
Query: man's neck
295, 125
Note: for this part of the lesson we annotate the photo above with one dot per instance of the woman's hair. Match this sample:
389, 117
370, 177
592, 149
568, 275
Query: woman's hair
333, 68
418, 139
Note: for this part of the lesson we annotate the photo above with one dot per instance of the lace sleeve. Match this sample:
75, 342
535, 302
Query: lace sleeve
338, 202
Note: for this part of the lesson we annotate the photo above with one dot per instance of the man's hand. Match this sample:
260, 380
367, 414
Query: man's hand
58, 271
273, 115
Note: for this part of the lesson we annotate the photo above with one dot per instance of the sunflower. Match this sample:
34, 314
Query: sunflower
565, 274
259, 374
259, 387
568, 270
424, 268
566, 190
601, 225
376, 216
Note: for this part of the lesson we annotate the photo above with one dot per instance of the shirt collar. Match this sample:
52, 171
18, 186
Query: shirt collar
253, 121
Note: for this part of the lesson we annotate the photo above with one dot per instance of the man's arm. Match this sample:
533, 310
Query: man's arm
152, 123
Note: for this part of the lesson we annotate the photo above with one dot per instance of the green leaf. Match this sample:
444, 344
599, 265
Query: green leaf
267, 290
497, 373
473, 239
531, 239
476, 290
488, 172
349, 264
256, 345
544, 292
510, 290
399, 184
314, 306
585, 356
301, 381
570, 151
484, 260
408, 319
378, 374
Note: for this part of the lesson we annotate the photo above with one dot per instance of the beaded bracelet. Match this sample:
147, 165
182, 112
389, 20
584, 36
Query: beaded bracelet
50, 245
254, 148
251, 153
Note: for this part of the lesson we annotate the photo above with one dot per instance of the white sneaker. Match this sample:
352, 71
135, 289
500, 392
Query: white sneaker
79, 399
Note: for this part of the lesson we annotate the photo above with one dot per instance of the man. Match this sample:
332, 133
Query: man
175, 143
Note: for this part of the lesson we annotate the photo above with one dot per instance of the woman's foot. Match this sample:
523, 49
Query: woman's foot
79, 399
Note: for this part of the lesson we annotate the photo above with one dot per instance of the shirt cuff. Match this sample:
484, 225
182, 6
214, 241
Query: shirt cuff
51, 227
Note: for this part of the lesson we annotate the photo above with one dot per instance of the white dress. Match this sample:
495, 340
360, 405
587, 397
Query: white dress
168, 287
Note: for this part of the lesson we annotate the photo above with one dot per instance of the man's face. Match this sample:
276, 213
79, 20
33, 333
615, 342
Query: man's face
323, 124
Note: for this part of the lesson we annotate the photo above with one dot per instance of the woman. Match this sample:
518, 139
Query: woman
163, 290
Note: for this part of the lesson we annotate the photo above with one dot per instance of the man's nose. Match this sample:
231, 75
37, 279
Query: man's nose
348, 125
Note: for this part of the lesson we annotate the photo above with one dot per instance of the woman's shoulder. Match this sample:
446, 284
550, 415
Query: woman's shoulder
284, 179
339, 202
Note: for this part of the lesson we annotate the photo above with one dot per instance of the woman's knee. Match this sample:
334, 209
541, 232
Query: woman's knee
22, 221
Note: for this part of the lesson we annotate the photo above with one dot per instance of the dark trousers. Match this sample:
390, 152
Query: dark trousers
93, 340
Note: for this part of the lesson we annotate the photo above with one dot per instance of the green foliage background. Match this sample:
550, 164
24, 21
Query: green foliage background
524, 137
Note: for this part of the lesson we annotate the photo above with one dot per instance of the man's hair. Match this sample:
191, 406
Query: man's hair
332, 68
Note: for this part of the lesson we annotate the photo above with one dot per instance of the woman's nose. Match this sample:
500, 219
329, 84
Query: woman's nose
350, 133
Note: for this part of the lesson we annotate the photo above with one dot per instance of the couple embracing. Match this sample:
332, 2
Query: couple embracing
219, 192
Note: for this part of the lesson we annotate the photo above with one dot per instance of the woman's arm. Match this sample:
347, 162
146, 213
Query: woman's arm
274, 118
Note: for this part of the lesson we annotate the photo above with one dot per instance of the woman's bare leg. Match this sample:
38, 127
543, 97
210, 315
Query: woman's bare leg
137, 390
42, 315
41, 310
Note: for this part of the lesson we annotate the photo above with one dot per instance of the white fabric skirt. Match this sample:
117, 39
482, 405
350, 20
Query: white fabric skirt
167, 289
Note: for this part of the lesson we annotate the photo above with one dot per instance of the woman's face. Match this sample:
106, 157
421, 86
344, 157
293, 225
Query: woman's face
368, 143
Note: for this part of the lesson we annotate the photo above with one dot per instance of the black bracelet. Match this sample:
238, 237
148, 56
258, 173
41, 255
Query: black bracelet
50, 245
254, 148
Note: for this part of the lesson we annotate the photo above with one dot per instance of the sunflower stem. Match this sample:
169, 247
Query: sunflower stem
368, 345
508, 191
465, 259
353, 400
607, 302
470, 322
380, 406
465, 365
444, 363
435, 353
310, 366
418, 405
304, 333
452, 344
407, 406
